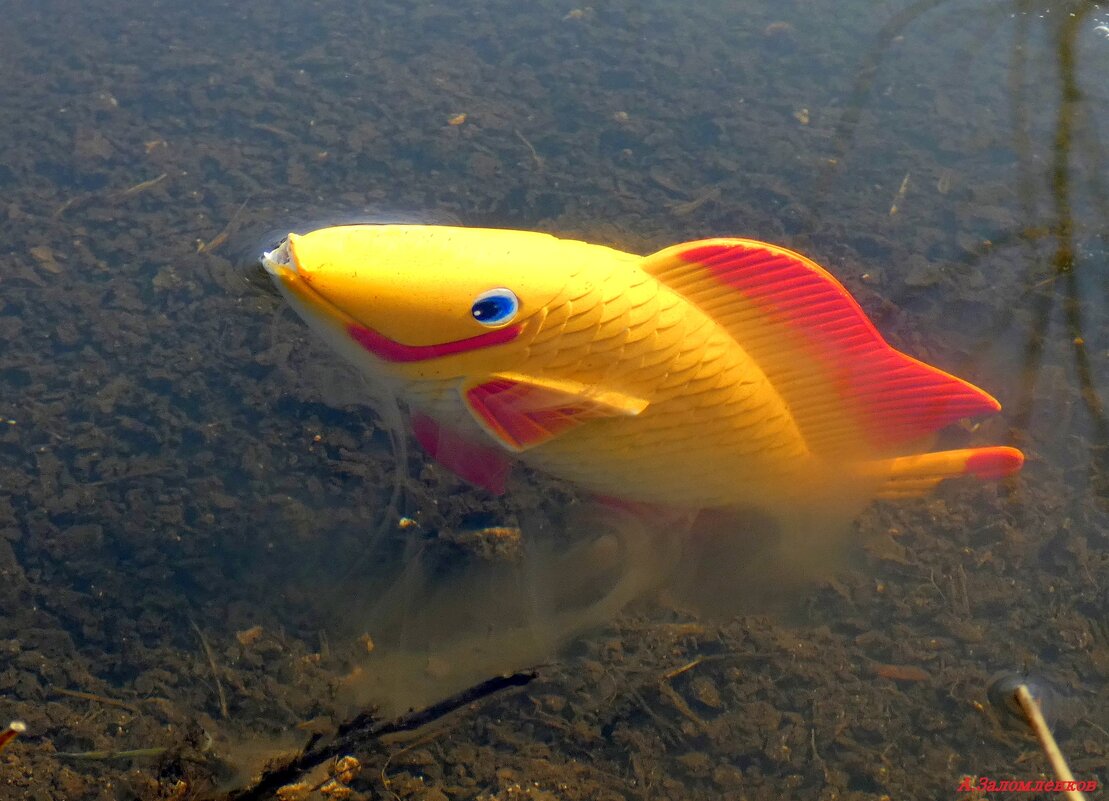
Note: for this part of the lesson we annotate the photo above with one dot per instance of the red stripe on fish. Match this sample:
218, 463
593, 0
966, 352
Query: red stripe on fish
393, 351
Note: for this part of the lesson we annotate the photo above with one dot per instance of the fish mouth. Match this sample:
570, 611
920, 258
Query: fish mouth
280, 257
281, 264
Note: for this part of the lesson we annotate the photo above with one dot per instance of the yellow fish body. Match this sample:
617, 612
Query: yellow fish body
718, 373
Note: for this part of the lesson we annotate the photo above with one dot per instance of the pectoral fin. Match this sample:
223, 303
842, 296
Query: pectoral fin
522, 411
485, 465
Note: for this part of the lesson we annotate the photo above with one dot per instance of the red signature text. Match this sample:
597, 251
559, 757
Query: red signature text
985, 784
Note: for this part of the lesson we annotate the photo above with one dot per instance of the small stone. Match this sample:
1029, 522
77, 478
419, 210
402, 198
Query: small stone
778, 30
727, 777
553, 703
921, 274
902, 672
696, 762
705, 690
294, 792
247, 637
334, 789
46, 259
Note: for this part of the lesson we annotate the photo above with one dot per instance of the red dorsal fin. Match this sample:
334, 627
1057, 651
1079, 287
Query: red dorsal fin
847, 388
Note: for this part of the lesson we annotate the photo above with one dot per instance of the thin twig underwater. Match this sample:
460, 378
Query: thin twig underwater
362, 732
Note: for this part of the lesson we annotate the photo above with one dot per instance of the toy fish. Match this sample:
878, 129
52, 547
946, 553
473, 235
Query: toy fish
717, 373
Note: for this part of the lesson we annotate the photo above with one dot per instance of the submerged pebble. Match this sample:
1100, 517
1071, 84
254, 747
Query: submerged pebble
705, 691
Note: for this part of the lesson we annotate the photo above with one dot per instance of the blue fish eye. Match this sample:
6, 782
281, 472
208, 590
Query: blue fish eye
495, 306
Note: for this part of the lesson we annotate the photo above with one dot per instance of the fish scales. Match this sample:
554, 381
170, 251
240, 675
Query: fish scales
696, 369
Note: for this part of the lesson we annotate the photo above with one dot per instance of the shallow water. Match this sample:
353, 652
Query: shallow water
180, 460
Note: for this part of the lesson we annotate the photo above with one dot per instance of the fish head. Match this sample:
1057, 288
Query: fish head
422, 302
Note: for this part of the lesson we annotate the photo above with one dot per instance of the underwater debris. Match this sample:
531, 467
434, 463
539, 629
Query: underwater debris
284, 779
346, 769
297, 791
248, 637
222, 696
334, 789
901, 672
1027, 694
1001, 693
897, 198
583, 13
102, 755
100, 699
489, 543
142, 186
15, 728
